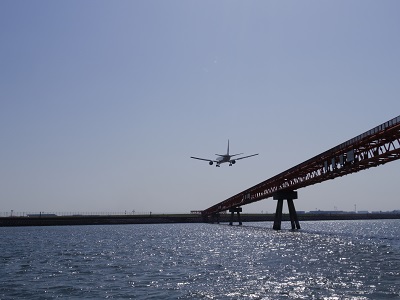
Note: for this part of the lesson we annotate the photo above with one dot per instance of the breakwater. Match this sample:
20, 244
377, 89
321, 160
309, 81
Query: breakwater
98, 220
176, 218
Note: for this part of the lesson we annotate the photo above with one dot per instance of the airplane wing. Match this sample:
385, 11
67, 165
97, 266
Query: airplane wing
203, 159
245, 156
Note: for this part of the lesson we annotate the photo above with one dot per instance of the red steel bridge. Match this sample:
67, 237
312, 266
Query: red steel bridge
374, 147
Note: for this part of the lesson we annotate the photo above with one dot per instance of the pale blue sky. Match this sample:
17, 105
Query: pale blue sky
103, 102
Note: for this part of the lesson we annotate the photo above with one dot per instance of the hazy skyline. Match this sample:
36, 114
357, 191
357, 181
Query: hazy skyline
103, 103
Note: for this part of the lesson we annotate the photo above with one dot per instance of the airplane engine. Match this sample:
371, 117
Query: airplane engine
233, 162
210, 163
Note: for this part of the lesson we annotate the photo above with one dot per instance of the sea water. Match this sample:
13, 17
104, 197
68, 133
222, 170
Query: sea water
323, 260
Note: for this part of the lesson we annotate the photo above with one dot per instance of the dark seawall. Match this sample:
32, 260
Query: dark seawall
175, 218
98, 220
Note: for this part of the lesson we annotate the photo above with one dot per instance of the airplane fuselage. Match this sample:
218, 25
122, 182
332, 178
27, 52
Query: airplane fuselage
224, 159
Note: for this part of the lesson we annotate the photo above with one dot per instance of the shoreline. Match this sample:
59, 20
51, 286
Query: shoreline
177, 218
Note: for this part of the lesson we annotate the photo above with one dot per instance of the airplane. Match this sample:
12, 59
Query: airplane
224, 158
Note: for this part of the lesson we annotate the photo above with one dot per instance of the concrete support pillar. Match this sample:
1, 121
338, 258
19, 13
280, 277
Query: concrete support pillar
234, 210
215, 218
205, 218
232, 217
293, 215
278, 215
208, 218
289, 196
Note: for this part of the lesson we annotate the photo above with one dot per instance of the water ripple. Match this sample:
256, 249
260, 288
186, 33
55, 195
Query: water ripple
325, 260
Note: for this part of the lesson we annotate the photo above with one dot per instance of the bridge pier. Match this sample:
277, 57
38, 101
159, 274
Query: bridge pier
238, 210
204, 217
215, 218
289, 196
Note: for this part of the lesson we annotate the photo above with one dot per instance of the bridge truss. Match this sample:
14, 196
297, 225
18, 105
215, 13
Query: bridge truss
375, 147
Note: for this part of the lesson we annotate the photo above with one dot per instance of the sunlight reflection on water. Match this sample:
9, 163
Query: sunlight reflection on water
325, 260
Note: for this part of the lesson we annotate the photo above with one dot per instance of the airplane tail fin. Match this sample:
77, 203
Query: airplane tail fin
232, 154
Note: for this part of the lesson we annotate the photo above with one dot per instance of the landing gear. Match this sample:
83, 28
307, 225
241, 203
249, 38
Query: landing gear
217, 165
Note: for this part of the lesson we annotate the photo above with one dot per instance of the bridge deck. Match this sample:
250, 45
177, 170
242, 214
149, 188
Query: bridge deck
370, 149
